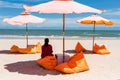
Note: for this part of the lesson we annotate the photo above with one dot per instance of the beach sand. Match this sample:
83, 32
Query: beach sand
24, 67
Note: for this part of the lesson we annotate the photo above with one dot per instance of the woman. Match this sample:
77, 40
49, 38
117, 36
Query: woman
46, 49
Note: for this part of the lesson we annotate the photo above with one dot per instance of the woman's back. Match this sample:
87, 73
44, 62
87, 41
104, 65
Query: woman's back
46, 49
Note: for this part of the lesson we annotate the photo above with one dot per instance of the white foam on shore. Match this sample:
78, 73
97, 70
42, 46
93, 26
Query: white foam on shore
54, 37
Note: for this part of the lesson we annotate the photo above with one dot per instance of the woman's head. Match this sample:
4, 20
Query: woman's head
46, 40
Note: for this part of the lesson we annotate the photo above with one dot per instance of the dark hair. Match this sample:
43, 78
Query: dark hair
46, 41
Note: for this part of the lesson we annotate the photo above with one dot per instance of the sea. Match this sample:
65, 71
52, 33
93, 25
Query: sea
41, 33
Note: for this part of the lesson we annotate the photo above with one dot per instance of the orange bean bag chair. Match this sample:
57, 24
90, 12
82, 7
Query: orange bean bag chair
77, 63
14, 49
29, 50
100, 49
48, 62
79, 48
38, 48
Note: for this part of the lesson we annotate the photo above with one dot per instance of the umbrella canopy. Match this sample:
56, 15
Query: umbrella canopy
95, 20
24, 18
61, 7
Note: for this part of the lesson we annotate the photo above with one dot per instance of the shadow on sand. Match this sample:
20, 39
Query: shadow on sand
89, 52
74, 52
29, 67
70, 51
5, 52
8, 52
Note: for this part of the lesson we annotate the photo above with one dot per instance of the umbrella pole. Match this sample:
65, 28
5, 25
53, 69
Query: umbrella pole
93, 34
63, 32
26, 35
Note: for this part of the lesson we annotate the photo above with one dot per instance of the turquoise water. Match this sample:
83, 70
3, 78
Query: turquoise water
37, 33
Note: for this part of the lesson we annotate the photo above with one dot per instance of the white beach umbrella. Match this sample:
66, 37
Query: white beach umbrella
95, 20
22, 19
62, 7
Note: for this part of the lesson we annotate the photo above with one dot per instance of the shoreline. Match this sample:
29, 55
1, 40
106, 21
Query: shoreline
58, 37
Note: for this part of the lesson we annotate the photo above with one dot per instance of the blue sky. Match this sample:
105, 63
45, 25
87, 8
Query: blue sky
11, 8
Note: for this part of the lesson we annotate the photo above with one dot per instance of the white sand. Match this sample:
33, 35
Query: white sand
24, 67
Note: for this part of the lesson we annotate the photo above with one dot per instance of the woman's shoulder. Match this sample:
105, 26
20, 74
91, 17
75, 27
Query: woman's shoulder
49, 45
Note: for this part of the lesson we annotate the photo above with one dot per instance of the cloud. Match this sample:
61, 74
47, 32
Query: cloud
57, 23
4, 4
17, 4
112, 12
